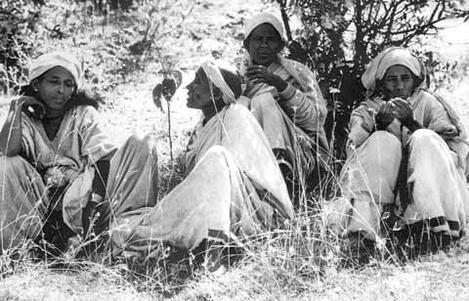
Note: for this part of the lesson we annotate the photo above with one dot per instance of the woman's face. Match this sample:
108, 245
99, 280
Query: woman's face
55, 88
263, 45
198, 91
398, 82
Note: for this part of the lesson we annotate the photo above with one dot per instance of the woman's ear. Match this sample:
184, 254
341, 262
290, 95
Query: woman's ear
380, 90
281, 46
34, 85
246, 42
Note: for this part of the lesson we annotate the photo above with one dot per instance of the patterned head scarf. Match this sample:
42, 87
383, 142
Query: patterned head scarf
387, 58
47, 61
265, 18
213, 72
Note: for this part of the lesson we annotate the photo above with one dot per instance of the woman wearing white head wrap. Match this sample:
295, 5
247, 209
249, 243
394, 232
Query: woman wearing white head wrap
233, 187
285, 99
52, 146
405, 144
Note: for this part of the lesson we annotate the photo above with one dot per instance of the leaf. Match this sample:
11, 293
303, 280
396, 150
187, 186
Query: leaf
157, 96
177, 74
169, 88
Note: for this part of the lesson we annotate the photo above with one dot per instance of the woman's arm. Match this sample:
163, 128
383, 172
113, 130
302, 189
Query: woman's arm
305, 107
11, 133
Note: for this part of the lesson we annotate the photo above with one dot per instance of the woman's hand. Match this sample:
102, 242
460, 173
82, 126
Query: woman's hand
385, 116
11, 133
401, 109
31, 106
260, 74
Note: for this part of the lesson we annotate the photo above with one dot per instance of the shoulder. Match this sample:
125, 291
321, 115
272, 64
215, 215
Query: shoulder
237, 114
295, 64
367, 106
430, 99
300, 72
84, 115
237, 110
84, 111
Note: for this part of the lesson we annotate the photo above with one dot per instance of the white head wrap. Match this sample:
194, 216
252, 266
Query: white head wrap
387, 58
265, 18
48, 61
212, 70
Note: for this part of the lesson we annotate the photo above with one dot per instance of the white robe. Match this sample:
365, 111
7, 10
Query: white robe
234, 189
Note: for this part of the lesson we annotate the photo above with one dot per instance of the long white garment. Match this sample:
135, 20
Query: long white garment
234, 190
24, 202
293, 120
438, 190
434, 189
369, 182
437, 156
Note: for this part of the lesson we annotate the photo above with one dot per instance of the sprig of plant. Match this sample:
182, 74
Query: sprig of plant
167, 88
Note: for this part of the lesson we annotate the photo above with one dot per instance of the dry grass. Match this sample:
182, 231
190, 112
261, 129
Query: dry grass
299, 263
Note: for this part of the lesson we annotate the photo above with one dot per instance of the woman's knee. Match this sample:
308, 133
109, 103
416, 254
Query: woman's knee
217, 152
426, 140
261, 103
385, 139
423, 136
381, 147
143, 144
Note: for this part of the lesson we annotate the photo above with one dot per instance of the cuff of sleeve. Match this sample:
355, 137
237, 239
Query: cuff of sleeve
288, 93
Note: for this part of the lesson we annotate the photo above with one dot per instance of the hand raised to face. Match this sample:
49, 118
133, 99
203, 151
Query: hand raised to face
30, 105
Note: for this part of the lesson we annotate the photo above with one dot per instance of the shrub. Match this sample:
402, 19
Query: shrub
18, 20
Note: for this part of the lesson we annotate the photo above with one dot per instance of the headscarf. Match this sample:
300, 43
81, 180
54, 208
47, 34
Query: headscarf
265, 18
213, 72
387, 58
47, 61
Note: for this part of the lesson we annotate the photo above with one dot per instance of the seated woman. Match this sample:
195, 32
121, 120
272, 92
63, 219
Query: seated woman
406, 159
56, 160
285, 99
233, 188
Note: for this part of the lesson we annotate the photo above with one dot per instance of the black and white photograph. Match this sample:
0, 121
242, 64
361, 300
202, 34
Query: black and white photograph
234, 150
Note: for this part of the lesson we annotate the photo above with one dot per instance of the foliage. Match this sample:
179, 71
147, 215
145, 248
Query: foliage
17, 23
142, 39
30, 28
339, 38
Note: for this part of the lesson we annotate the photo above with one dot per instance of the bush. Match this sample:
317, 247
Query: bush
111, 53
18, 20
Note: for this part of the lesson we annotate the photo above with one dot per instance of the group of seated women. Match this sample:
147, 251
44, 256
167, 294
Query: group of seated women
262, 129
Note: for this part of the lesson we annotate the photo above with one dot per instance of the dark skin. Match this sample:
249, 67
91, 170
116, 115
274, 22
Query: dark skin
263, 45
204, 96
398, 84
260, 74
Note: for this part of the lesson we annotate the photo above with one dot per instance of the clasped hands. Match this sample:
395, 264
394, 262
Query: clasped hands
260, 74
393, 108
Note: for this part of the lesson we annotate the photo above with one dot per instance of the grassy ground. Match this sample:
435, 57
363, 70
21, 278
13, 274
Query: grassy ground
286, 266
